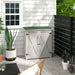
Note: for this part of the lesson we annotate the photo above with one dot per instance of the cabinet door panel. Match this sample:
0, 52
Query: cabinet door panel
38, 45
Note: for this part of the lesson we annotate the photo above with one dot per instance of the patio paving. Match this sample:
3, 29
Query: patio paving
52, 66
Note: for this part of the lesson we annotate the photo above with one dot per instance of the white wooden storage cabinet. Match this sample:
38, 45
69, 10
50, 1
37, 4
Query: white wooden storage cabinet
38, 44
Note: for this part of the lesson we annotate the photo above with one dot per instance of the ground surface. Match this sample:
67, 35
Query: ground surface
52, 66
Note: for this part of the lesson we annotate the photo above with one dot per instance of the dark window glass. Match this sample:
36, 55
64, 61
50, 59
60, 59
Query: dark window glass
16, 10
17, 22
12, 17
7, 17
12, 10
7, 22
7, 10
12, 22
7, 5
12, 5
17, 17
16, 5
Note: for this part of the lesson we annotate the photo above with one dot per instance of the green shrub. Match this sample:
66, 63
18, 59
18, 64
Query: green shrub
65, 8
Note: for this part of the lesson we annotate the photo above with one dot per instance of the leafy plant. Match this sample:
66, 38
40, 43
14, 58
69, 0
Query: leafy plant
2, 49
59, 1
9, 38
65, 8
65, 56
1, 23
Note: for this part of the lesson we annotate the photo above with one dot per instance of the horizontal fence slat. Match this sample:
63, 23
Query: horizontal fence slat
62, 33
62, 17
63, 47
63, 26
61, 29
61, 22
62, 42
63, 39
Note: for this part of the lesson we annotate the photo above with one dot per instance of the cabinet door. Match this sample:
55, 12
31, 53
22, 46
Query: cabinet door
38, 45
45, 45
31, 46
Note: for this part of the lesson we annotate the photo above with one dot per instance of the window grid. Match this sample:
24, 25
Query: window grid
12, 13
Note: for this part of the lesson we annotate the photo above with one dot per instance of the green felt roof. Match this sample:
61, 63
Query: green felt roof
37, 27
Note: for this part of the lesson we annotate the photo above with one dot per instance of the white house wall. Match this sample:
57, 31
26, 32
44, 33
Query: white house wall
1, 8
35, 13
38, 12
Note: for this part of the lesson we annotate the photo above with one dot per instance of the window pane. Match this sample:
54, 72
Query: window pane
16, 5
7, 5
17, 22
7, 10
12, 5
12, 10
7, 17
16, 10
7, 23
12, 22
12, 17
17, 17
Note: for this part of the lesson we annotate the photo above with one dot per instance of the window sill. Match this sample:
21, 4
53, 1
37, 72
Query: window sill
14, 27
12, 0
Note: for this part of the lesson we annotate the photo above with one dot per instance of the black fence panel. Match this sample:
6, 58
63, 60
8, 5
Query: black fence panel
62, 34
65, 35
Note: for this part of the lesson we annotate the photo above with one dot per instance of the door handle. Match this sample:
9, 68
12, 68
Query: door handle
27, 54
27, 34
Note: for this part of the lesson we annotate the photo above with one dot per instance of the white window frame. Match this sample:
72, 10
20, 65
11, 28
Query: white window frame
20, 13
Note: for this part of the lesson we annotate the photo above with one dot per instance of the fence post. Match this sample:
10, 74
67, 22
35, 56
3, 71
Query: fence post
72, 54
71, 25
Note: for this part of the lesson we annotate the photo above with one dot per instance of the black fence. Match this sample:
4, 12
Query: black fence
64, 35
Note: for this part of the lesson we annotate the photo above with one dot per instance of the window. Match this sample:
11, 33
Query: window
12, 16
